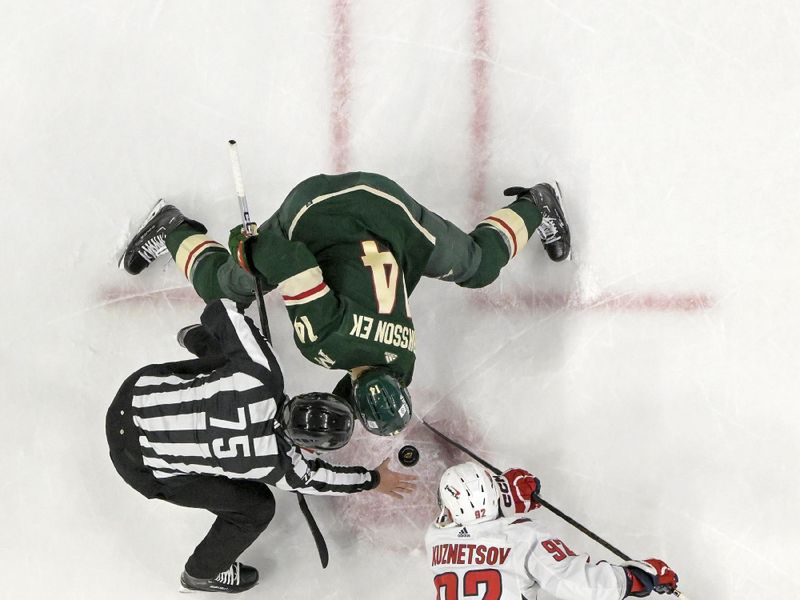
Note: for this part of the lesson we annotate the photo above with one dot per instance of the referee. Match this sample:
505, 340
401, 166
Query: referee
211, 432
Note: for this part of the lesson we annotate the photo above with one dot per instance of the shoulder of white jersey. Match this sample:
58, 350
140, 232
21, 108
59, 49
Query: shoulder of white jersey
430, 532
495, 528
522, 529
486, 530
517, 520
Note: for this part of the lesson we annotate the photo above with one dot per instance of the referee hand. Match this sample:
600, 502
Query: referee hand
392, 483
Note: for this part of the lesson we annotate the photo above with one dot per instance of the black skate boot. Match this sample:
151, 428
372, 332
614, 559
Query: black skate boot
184, 332
197, 340
150, 241
554, 230
237, 578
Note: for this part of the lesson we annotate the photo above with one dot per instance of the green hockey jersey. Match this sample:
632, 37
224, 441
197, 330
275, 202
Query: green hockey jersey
345, 252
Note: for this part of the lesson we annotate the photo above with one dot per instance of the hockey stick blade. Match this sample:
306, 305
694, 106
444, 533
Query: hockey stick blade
319, 540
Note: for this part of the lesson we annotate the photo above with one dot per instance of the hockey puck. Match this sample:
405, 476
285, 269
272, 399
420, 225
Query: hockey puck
408, 456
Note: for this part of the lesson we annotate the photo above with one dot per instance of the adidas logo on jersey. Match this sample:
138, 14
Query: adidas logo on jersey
389, 357
463, 533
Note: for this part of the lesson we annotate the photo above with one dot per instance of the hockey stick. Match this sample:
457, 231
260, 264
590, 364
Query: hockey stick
538, 499
250, 229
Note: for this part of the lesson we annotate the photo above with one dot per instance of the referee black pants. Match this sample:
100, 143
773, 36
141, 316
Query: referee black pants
243, 508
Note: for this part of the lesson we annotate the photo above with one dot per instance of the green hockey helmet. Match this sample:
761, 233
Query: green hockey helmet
382, 402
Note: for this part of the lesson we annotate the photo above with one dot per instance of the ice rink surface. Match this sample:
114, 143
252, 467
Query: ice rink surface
651, 382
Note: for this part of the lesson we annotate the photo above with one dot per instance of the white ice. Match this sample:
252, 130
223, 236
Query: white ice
651, 383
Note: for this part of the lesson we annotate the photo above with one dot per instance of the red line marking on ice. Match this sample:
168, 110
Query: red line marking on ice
479, 125
606, 301
490, 299
176, 295
128, 296
342, 63
484, 299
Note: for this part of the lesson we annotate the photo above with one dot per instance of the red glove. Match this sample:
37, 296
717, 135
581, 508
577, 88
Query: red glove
651, 575
517, 488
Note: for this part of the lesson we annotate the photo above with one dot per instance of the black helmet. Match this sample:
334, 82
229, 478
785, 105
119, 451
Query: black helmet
382, 402
317, 420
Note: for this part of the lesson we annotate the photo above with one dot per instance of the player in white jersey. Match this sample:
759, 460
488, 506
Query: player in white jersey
481, 548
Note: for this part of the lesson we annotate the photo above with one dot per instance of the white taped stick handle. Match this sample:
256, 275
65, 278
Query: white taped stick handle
248, 225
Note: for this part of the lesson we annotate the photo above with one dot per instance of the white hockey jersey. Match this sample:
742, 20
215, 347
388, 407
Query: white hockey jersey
513, 557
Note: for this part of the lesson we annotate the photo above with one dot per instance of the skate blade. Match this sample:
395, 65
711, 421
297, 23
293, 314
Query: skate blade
557, 188
184, 590
156, 207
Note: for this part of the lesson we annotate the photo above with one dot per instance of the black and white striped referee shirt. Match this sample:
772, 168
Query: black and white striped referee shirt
221, 420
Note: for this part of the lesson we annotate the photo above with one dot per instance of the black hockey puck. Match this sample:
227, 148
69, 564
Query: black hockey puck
408, 456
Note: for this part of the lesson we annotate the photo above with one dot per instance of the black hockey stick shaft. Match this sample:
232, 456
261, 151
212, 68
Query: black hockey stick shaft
249, 226
538, 499
262, 310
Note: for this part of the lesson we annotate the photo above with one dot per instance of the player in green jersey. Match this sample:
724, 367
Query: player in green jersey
345, 252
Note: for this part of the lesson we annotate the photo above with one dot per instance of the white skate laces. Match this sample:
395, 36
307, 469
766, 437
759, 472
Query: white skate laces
548, 230
153, 248
229, 577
